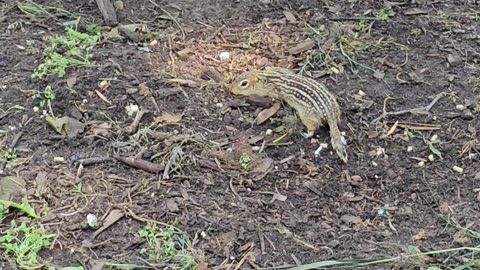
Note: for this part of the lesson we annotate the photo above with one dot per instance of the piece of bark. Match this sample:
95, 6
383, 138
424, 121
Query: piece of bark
108, 12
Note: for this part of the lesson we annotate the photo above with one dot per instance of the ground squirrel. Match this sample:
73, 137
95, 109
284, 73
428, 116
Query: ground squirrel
314, 104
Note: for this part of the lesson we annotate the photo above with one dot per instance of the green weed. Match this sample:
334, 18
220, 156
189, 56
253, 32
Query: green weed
385, 14
245, 161
23, 243
74, 49
46, 97
169, 246
36, 10
8, 156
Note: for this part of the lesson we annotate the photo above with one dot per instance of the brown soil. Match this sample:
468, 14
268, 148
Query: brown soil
305, 209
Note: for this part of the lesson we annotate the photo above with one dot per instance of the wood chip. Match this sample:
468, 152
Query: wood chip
112, 217
267, 113
290, 17
108, 12
415, 11
303, 46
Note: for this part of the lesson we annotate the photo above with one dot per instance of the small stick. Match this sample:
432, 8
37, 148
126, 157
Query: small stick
140, 164
424, 109
134, 126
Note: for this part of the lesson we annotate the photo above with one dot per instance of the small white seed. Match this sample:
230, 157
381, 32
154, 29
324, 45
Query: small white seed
434, 138
421, 163
431, 157
255, 148
460, 107
457, 169
269, 132
409, 148
224, 56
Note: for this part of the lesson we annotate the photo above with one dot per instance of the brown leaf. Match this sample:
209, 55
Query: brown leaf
303, 46
167, 117
422, 235
71, 81
144, 89
267, 113
12, 187
113, 216
261, 168
66, 126
172, 205
290, 17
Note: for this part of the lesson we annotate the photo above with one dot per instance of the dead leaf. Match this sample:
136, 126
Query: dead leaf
12, 187
41, 183
350, 219
172, 205
113, 216
71, 81
261, 168
168, 118
66, 126
290, 17
303, 46
279, 197
422, 235
97, 264
267, 113
144, 89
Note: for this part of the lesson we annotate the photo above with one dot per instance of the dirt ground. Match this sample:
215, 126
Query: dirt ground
245, 200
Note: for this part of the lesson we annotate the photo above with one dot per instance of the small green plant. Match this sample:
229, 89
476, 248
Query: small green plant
46, 97
24, 243
385, 14
169, 246
36, 10
245, 161
74, 49
8, 156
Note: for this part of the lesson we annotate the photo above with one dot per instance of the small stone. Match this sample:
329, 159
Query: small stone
467, 115
356, 178
434, 138
269, 132
219, 105
409, 148
454, 59
374, 164
421, 164
458, 169
431, 157
460, 107
255, 148
361, 93
224, 56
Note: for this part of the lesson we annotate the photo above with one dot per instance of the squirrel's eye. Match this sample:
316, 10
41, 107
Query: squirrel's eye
244, 83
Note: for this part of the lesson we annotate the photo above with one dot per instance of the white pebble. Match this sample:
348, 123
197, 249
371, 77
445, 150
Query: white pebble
434, 138
374, 164
269, 132
35, 109
431, 157
409, 148
255, 148
92, 220
203, 234
224, 56
457, 169
421, 163
59, 159
460, 107
219, 105
229, 150
361, 93
324, 145
434, 118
